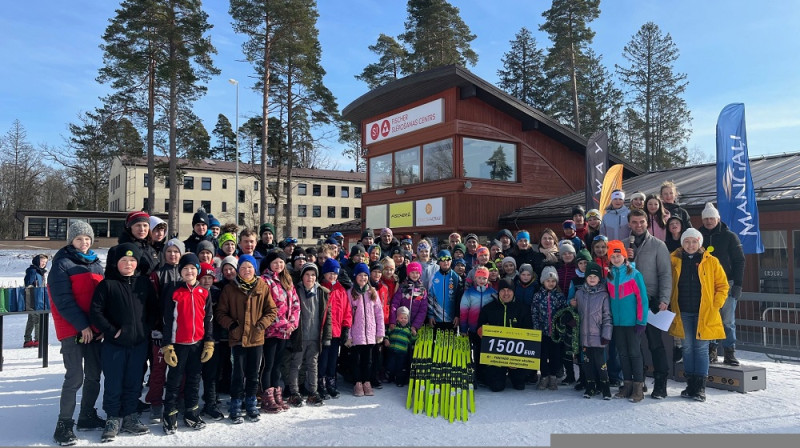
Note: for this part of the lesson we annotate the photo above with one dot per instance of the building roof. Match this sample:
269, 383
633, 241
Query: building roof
418, 86
254, 169
347, 227
776, 180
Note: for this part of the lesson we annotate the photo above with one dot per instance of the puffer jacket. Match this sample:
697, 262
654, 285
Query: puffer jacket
252, 311
287, 306
546, 303
727, 248
713, 293
71, 284
324, 315
367, 308
595, 312
413, 296
615, 224
187, 315
148, 262
512, 314
341, 312
628, 296
444, 294
472, 302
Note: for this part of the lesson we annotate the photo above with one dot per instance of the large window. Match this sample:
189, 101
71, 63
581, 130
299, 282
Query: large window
345, 212
380, 172
57, 228
316, 211
99, 226
206, 205
357, 192
302, 211
486, 159
188, 206
317, 190
773, 264
302, 232
437, 160
205, 183
406, 167
37, 226
302, 189
331, 212
345, 192
271, 209
357, 212
331, 191
188, 182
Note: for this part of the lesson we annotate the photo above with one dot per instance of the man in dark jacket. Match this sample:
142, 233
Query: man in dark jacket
266, 242
199, 232
34, 278
137, 231
124, 309
725, 245
652, 260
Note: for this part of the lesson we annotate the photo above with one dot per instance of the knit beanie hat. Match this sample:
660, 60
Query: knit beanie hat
549, 272
360, 268
460, 261
136, 217
311, 251
569, 224
331, 240
471, 236
225, 237
444, 253
565, 246
618, 247
408, 255
710, 211
247, 259
578, 210
155, 221
330, 265
482, 271
367, 233
205, 245
309, 267
617, 194
174, 242
385, 231
265, 227
271, 256
585, 255
593, 213
231, 260
639, 195
357, 250
510, 260
692, 233
594, 269
414, 267
505, 232
200, 217
212, 221
79, 228
523, 235
423, 245
206, 269
505, 283
403, 311
481, 250
338, 235
526, 268
124, 250
461, 247
298, 254
189, 259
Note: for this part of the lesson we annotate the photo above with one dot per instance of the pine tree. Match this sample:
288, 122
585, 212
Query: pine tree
567, 24
601, 100
389, 67
436, 36
500, 170
655, 94
350, 136
522, 75
193, 140
225, 149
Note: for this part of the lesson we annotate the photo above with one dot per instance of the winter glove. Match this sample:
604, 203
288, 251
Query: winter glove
208, 351
639, 329
169, 355
345, 333
156, 336
736, 292
604, 341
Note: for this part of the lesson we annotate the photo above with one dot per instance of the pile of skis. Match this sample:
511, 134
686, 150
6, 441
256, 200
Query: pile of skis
441, 376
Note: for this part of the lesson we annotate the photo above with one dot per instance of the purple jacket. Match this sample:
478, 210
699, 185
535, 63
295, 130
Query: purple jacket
367, 309
415, 298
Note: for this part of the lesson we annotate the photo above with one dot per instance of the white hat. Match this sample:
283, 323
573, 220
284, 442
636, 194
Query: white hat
618, 194
692, 233
565, 246
710, 211
549, 272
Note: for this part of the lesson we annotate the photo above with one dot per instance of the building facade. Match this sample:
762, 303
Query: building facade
319, 197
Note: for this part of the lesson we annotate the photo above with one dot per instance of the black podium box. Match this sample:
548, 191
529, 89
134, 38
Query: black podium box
741, 379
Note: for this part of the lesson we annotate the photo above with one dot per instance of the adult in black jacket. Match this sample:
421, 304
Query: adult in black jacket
137, 230
266, 242
123, 308
199, 232
722, 243
505, 311
669, 197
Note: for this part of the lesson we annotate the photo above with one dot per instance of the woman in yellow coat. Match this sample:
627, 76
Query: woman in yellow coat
699, 289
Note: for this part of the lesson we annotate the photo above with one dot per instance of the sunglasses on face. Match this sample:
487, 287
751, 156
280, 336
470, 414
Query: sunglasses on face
445, 258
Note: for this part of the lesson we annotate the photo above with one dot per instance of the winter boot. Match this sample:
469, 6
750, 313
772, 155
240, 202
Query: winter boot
212, 411
730, 358
63, 434
605, 389
332, 390
552, 382
368, 389
142, 406
295, 400
235, 411
544, 381
169, 421
251, 404
193, 420
700, 391
691, 387
570, 370
581, 384
712, 353
315, 399
677, 355
589, 392
90, 421
28, 344
625, 390
156, 412
659, 386
132, 425
268, 403
358, 389
322, 389
282, 405
638, 394
111, 430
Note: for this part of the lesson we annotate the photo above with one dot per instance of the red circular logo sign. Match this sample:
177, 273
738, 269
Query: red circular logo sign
385, 127
374, 131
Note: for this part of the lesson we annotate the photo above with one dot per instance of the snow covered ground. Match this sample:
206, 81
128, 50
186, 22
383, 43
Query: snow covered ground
29, 397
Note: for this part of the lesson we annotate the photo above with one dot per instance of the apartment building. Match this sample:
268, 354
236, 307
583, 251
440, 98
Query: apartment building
319, 197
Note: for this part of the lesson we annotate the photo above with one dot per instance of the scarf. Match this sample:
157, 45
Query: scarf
244, 285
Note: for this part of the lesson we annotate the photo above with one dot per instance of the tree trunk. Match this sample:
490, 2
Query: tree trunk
574, 80
151, 160
174, 215
289, 148
265, 128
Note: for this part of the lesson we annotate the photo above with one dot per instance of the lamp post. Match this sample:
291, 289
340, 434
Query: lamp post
236, 127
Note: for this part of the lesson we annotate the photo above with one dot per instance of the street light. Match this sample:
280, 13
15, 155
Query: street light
236, 126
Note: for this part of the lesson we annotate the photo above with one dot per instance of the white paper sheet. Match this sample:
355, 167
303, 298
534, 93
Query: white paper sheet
661, 320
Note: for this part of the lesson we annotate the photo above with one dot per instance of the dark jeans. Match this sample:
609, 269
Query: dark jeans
594, 364
244, 378
398, 365
657, 351
274, 349
630, 353
189, 365
362, 361
82, 362
123, 377
614, 366
328, 359
551, 358
210, 371
695, 351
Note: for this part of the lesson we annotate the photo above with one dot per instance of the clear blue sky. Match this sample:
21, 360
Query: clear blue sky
731, 50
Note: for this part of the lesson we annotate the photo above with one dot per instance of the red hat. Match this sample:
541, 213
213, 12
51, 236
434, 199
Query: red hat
482, 272
618, 247
136, 216
206, 269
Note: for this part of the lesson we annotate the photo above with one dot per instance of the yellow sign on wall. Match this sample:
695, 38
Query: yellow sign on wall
401, 214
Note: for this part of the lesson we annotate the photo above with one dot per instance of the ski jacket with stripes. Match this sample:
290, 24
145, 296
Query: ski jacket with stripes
187, 315
72, 281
